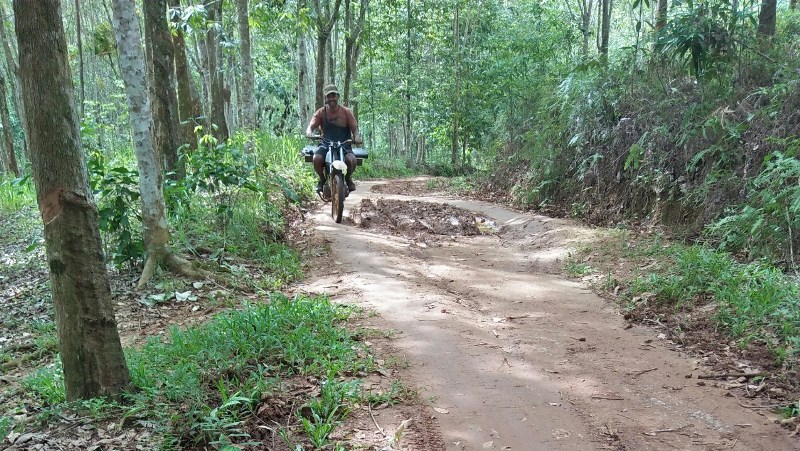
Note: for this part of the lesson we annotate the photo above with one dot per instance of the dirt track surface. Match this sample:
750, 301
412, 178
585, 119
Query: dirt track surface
509, 354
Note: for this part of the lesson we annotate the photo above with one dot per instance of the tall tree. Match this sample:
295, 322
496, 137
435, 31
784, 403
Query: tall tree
457, 85
163, 98
605, 29
661, 14
248, 78
326, 19
407, 82
154, 220
89, 344
766, 18
189, 108
79, 39
352, 46
132, 68
14, 77
214, 61
10, 159
302, 67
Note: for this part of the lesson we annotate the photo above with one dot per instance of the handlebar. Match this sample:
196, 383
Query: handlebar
337, 143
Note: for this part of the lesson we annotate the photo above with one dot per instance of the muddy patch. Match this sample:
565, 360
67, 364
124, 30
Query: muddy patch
415, 218
414, 187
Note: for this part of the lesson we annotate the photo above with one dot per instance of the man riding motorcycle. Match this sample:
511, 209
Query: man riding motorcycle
336, 123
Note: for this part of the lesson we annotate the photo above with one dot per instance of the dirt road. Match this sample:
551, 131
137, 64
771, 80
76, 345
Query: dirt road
510, 355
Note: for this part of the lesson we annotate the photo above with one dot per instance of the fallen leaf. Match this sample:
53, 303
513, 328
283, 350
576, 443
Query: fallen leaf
440, 410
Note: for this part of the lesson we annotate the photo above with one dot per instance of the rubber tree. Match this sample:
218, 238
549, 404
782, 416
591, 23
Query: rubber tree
352, 48
91, 352
766, 18
10, 160
190, 111
134, 76
304, 109
13, 76
163, 97
214, 67
325, 20
248, 78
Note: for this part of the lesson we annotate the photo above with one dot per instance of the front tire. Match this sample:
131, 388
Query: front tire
337, 197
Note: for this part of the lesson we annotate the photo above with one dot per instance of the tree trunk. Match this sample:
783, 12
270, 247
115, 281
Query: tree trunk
766, 18
407, 128
8, 140
14, 81
216, 86
163, 98
80, 56
302, 72
324, 27
189, 108
661, 14
248, 78
322, 43
605, 30
457, 93
132, 68
586, 8
91, 353
351, 46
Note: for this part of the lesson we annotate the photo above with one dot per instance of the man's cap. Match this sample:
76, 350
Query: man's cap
330, 89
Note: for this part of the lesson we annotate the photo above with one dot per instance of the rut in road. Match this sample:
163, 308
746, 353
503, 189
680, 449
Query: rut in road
511, 355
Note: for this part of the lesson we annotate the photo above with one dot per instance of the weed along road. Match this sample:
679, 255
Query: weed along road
506, 352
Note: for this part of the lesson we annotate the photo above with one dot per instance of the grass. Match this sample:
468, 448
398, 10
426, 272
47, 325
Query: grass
16, 193
751, 302
201, 385
754, 301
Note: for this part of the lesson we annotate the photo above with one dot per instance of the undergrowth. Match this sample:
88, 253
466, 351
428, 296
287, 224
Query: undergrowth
201, 386
752, 303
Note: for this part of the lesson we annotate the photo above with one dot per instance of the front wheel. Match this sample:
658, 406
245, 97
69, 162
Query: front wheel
337, 197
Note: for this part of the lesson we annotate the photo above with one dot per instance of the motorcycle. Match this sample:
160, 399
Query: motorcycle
335, 169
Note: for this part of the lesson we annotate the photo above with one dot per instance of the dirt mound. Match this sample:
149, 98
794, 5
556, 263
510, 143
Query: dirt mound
403, 217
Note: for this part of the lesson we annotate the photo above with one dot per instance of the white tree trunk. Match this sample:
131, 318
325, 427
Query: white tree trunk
132, 68
302, 79
248, 79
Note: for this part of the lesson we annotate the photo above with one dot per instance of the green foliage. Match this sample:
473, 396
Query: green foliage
754, 302
116, 191
6, 426
233, 201
198, 386
239, 351
102, 40
327, 410
45, 339
767, 226
397, 393
16, 193
47, 384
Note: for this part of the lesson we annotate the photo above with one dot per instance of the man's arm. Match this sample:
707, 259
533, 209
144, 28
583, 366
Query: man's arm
313, 125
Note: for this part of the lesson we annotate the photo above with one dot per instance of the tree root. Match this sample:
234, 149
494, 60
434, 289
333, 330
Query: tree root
177, 265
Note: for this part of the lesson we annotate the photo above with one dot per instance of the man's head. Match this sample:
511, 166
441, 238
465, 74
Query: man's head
331, 94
